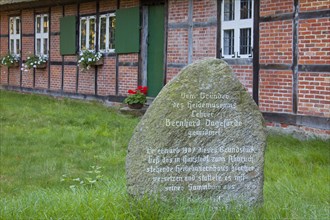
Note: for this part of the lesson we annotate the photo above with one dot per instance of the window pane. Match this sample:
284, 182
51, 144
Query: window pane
245, 41
112, 26
12, 26
246, 9
103, 33
228, 42
45, 24
17, 47
92, 34
38, 46
229, 10
45, 46
12, 47
38, 24
18, 21
83, 34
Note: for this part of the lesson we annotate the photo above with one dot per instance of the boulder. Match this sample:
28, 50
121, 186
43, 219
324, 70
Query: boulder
203, 137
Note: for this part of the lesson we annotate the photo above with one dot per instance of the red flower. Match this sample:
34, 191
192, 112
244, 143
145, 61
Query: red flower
143, 89
131, 92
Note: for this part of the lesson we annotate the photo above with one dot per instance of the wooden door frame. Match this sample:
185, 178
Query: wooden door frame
144, 45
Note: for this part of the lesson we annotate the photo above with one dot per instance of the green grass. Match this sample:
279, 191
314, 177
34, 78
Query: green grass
43, 138
53, 151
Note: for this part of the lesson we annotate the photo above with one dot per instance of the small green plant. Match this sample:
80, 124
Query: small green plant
93, 176
34, 61
88, 58
10, 60
137, 96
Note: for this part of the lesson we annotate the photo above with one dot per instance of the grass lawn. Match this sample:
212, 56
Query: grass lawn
65, 159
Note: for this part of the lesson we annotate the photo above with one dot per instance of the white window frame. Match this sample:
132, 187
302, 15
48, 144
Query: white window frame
16, 37
107, 49
236, 25
87, 18
42, 35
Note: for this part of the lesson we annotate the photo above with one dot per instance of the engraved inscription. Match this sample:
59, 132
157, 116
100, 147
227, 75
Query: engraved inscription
202, 120
213, 168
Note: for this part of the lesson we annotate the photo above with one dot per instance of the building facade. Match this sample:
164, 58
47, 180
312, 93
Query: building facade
279, 50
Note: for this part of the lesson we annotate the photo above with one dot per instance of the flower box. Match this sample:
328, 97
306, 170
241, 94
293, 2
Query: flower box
89, 58
10, 60
99, 62
135, 106
15, 64
35, 61
41, 66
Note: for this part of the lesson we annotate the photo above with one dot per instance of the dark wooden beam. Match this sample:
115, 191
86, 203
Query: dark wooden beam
190, 30
211, 23
256, 62
66, 94
277, 17
97, 45
68, 63
165, 42
8, 48
176, 65
314, 14
321, 68
117, 62
62, 57
143, 57
218, 43
128, 64
315, 68
34, 46
21, 52
28, 35
295, 55
302, 15
322, 123
152, 2
39, 4
49, 42
276, 66
78, 43
55, 33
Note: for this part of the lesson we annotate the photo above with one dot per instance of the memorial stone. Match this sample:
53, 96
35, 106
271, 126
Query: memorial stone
203, 137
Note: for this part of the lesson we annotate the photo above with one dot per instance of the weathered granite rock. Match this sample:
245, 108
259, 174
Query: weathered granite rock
202, 137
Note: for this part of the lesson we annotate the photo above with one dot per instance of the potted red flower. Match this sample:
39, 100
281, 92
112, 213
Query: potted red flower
137, 98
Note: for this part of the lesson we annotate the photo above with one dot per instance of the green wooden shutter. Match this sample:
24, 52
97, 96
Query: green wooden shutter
127, 30
68, 35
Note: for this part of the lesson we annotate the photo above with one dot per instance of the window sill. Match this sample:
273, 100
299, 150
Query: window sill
109, 54
239, 61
